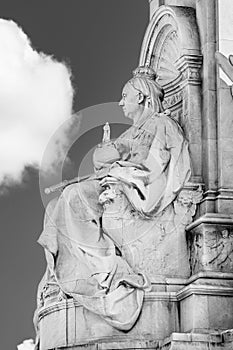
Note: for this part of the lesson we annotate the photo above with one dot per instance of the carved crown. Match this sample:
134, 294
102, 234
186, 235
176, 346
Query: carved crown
144, 72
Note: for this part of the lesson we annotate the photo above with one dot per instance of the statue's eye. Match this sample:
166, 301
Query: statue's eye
123, 96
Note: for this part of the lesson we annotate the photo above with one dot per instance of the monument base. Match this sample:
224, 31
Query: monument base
176, 314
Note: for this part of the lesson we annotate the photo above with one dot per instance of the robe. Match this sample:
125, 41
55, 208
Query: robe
82, 259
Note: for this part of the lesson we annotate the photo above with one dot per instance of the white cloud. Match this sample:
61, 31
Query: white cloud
27, 344
35, 99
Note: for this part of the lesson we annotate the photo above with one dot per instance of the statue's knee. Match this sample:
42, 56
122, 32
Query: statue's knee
50, 207
70, 190
73, 193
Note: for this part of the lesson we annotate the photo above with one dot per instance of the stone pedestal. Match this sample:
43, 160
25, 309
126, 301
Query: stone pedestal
191, 303
206, 303
177, 314
66, 323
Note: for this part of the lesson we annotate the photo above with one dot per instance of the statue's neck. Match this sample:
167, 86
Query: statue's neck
140, 119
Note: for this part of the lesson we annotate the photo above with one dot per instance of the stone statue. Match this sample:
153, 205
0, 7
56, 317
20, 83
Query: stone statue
91, 229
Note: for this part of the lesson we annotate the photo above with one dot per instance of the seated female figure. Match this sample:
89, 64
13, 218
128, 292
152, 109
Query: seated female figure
148, 164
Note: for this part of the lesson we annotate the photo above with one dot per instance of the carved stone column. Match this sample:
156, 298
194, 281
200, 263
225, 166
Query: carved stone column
216, 209
190, 68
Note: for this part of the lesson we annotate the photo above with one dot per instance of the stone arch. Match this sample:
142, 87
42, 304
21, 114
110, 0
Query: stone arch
171, 46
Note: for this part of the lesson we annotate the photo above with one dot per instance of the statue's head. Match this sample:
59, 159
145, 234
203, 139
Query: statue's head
141, 92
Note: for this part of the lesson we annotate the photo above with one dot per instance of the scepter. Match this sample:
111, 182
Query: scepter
61, 185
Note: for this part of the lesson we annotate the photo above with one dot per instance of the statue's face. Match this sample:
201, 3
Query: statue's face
130, 101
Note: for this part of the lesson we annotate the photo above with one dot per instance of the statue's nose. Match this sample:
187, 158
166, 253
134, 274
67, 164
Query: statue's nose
121, 102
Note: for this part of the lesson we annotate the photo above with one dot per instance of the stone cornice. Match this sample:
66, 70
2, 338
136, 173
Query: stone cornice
211, 218
204, 289
210, 275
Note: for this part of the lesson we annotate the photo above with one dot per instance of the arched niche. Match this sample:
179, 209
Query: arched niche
171, 46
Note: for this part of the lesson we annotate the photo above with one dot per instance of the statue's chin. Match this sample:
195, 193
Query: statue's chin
128, 115
125, 113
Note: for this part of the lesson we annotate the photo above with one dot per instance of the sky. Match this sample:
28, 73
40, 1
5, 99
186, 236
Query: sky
62, 67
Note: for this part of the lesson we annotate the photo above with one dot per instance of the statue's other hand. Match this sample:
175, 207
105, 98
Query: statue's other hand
105, 154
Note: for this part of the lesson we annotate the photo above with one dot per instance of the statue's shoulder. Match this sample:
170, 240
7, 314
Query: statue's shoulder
153, 122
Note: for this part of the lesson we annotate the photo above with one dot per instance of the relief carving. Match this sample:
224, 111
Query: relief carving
212, 250
174, 99
185, 205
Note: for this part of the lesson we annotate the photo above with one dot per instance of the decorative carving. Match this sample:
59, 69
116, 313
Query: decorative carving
191, 74
185, 205
172, 100
163, 48
222, 249
190, 68
212, 250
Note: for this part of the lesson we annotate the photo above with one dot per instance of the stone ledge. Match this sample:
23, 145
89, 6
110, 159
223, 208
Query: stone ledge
111, 345
210, 275
194, 337
204, 290
212, 218
176, 341
71, 303
67, 323
191, 341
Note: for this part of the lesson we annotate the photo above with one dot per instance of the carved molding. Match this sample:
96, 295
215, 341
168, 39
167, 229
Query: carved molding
171, 34
173, 100
190, 68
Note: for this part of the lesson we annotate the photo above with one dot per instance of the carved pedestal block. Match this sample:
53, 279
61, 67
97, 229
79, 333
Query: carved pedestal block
197, 341
206, 303
211, 248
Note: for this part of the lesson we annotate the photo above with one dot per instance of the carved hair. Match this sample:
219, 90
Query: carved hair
144, 82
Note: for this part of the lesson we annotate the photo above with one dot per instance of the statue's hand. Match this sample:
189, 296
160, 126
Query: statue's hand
112, 188
105, 154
